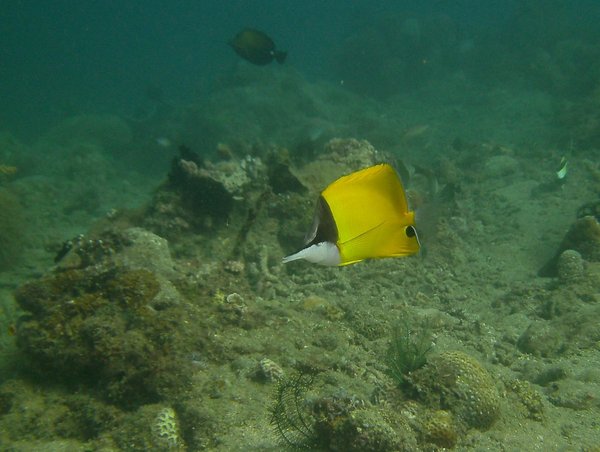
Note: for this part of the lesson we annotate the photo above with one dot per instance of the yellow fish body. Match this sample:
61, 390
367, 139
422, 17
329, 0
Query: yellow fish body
363, 215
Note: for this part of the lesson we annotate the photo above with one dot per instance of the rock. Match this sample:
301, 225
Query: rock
500, 166
108, 310
146, 250
584, 237
570, 266
540, 339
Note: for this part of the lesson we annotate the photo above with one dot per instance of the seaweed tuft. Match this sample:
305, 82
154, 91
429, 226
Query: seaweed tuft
407, 351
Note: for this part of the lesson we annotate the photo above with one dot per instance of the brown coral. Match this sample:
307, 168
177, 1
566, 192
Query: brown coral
108, 324
439, 428
457, 382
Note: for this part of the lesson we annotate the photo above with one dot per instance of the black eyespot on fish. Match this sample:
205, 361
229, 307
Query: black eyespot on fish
410, 232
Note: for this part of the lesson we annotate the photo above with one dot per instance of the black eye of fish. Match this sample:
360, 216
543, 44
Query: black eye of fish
410, 232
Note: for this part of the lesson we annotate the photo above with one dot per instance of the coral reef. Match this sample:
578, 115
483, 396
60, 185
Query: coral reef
335, 422
166, 428
529, 398
438, 427
570, 266
583, 237
340, 156
365, 428
150, 427
201, 196
456, 382
270, 370
106, 320
74, 418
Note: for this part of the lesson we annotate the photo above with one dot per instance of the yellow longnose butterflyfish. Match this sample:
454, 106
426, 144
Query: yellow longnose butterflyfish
363, 215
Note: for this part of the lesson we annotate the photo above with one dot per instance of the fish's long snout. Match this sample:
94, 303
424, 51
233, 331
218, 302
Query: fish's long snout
324, 253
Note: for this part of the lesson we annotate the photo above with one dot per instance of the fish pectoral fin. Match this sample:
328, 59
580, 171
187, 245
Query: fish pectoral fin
387, 239
362, 246
363, 235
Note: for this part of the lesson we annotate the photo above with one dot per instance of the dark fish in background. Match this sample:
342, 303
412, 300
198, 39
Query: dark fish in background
256, 47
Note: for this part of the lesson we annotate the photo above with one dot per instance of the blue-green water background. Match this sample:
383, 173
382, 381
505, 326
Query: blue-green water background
478, 101
64, 57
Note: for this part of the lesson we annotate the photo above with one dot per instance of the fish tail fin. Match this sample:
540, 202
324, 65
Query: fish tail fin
280, 56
